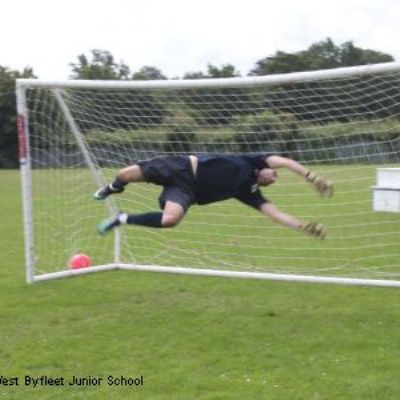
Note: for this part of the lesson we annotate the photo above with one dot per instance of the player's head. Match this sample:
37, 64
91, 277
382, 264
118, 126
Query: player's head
266, 176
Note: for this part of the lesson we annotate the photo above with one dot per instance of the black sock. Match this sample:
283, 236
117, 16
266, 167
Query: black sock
151, 219
118, 184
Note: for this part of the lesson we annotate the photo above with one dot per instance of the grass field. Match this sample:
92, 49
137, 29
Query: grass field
192, 338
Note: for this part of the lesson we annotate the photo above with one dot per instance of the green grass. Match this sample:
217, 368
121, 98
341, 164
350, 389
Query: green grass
191, 337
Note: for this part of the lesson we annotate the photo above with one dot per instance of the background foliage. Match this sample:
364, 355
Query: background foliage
100, 64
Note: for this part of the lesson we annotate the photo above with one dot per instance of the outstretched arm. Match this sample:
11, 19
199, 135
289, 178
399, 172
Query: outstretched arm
283, 162
311, 228
321, 184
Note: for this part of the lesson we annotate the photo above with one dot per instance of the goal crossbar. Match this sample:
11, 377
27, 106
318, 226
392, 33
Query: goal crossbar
287, 78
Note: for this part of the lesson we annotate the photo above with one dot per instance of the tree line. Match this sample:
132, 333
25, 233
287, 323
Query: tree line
100, 64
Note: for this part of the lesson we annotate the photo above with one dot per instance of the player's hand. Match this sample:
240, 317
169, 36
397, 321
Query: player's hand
321, 184
314, 229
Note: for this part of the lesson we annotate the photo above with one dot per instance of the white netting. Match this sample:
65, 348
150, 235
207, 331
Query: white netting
343, 127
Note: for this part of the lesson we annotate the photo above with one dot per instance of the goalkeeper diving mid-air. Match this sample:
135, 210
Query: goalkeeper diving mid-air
205, 179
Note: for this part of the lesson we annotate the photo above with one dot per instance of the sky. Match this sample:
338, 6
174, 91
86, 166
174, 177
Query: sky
179, 36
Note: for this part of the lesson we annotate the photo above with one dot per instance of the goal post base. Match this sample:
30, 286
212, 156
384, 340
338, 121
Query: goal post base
222, 274
261, 275
72, 272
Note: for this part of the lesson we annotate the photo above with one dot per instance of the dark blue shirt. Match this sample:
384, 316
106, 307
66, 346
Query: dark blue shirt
229, 176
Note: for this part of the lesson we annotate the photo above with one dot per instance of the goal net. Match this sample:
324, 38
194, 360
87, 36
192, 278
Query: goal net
343, 123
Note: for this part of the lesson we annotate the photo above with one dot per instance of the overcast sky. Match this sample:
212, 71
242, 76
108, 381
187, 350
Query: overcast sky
179, 36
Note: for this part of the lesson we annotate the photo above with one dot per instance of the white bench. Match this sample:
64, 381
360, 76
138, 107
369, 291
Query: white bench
386, 193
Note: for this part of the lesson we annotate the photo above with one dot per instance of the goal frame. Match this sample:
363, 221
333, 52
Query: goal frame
26, 177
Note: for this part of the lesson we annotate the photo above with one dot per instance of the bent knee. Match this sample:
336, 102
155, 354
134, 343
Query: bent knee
170, 220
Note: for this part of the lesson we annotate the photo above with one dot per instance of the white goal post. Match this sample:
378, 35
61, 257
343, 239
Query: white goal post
344, 123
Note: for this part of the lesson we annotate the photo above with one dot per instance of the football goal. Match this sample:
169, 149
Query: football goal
343, 123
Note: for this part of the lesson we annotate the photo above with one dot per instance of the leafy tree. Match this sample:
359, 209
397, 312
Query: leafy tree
148, 108
352, 55
148, 73
145, 109
320, 55
225, 71
195, 75
8, 116
308, 100
217, 106
100, 66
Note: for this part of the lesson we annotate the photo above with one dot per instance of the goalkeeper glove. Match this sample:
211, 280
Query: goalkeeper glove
321, 184
314, 229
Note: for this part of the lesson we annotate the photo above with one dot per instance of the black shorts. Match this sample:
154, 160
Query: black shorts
175, 174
